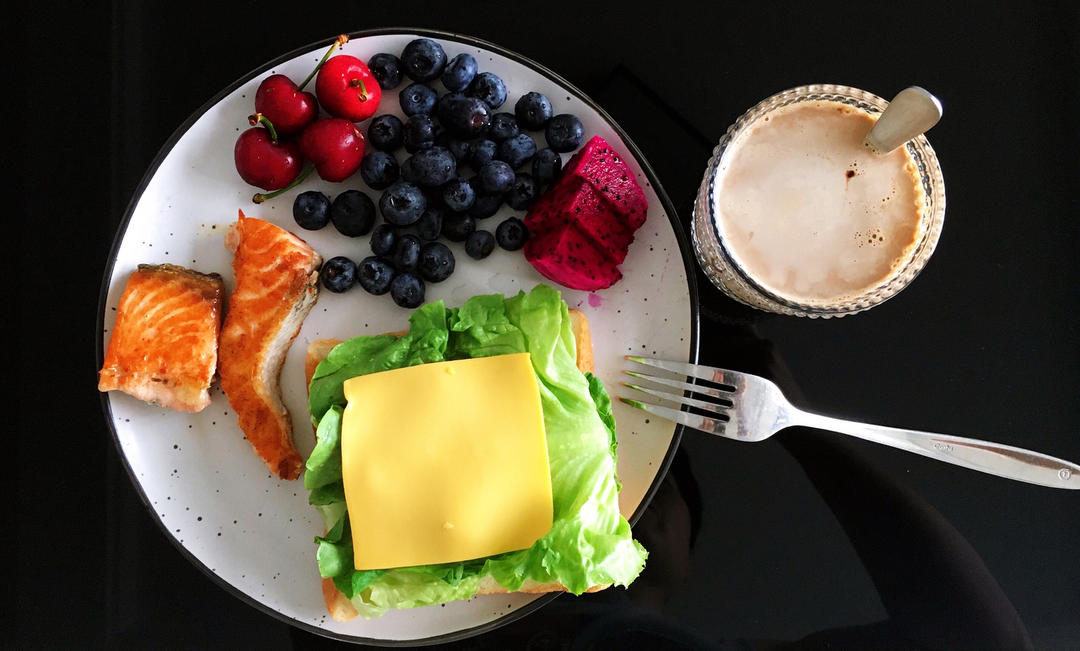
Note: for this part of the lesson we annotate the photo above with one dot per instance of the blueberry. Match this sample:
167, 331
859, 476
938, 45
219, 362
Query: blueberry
546, 166
481, 153
457, 226
517, 150
423, 59
383, 239
486, 205
386, 68
436, 262
402, 204
374, 275
459, 148
466, 117
417, 99
444, 98
503, 127
379, 170
407, 253
458, 195
496, 177
407, 290
353, 213
459, 73
433, 196
311, 210
429, 226
385, 133
511, 234
419, 133
488, 87
408, 171
338, 274
533, 111
479, 244
434, 166
524, 192
565, 132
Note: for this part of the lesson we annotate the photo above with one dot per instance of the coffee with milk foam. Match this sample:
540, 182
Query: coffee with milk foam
810, 212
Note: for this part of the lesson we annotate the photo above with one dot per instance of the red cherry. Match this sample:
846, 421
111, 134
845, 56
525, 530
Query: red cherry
262, 160
284, 104
335, 145
347, 89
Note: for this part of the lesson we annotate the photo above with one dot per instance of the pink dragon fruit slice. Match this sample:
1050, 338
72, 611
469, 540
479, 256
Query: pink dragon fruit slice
596, 218
604, 169
547, 213
568, 257
596, 143
583, 226
575, 201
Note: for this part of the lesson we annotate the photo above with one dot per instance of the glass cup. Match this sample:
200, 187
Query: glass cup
715, 254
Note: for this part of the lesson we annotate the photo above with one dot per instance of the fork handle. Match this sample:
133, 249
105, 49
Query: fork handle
993, 458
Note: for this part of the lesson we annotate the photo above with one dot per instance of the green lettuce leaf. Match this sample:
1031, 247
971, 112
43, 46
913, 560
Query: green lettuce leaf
482, 329
603, 407
356, 581
589, 544
324, 464
335, 555
408, 589
425, 342
329, 494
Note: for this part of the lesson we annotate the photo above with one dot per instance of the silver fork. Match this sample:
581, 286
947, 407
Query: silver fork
753, 409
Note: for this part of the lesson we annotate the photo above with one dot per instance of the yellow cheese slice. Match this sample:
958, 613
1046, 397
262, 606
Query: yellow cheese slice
445, 462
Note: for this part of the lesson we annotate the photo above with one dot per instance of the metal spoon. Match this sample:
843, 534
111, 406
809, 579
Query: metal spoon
911, 113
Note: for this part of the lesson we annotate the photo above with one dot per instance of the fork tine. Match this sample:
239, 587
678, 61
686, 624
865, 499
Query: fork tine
721, 394
703, 423
711, 407
712, 374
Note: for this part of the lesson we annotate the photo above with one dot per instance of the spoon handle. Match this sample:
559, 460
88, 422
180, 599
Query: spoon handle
911, 113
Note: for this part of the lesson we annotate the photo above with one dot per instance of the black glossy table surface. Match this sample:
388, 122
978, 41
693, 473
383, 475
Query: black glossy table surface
806, 540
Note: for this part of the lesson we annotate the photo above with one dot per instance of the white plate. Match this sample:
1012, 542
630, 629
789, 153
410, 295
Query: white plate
198, 474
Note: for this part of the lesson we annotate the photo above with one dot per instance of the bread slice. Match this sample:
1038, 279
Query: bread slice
340, 608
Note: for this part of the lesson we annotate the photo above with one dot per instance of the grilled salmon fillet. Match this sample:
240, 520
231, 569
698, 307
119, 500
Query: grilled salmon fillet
163, 347
276, 286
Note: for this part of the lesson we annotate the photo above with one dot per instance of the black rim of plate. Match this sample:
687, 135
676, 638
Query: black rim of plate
680, 236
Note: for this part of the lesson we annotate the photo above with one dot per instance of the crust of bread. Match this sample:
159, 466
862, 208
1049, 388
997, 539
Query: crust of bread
579, 323
339, 607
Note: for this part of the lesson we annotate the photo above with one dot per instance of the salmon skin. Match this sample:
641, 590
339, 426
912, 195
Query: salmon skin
163, 347
276, 286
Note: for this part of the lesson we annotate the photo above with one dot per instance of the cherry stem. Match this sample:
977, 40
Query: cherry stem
341, 40
260, 118
261, 197
363, 89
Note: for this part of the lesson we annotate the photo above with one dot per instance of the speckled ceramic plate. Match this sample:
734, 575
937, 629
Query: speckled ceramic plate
197, 473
